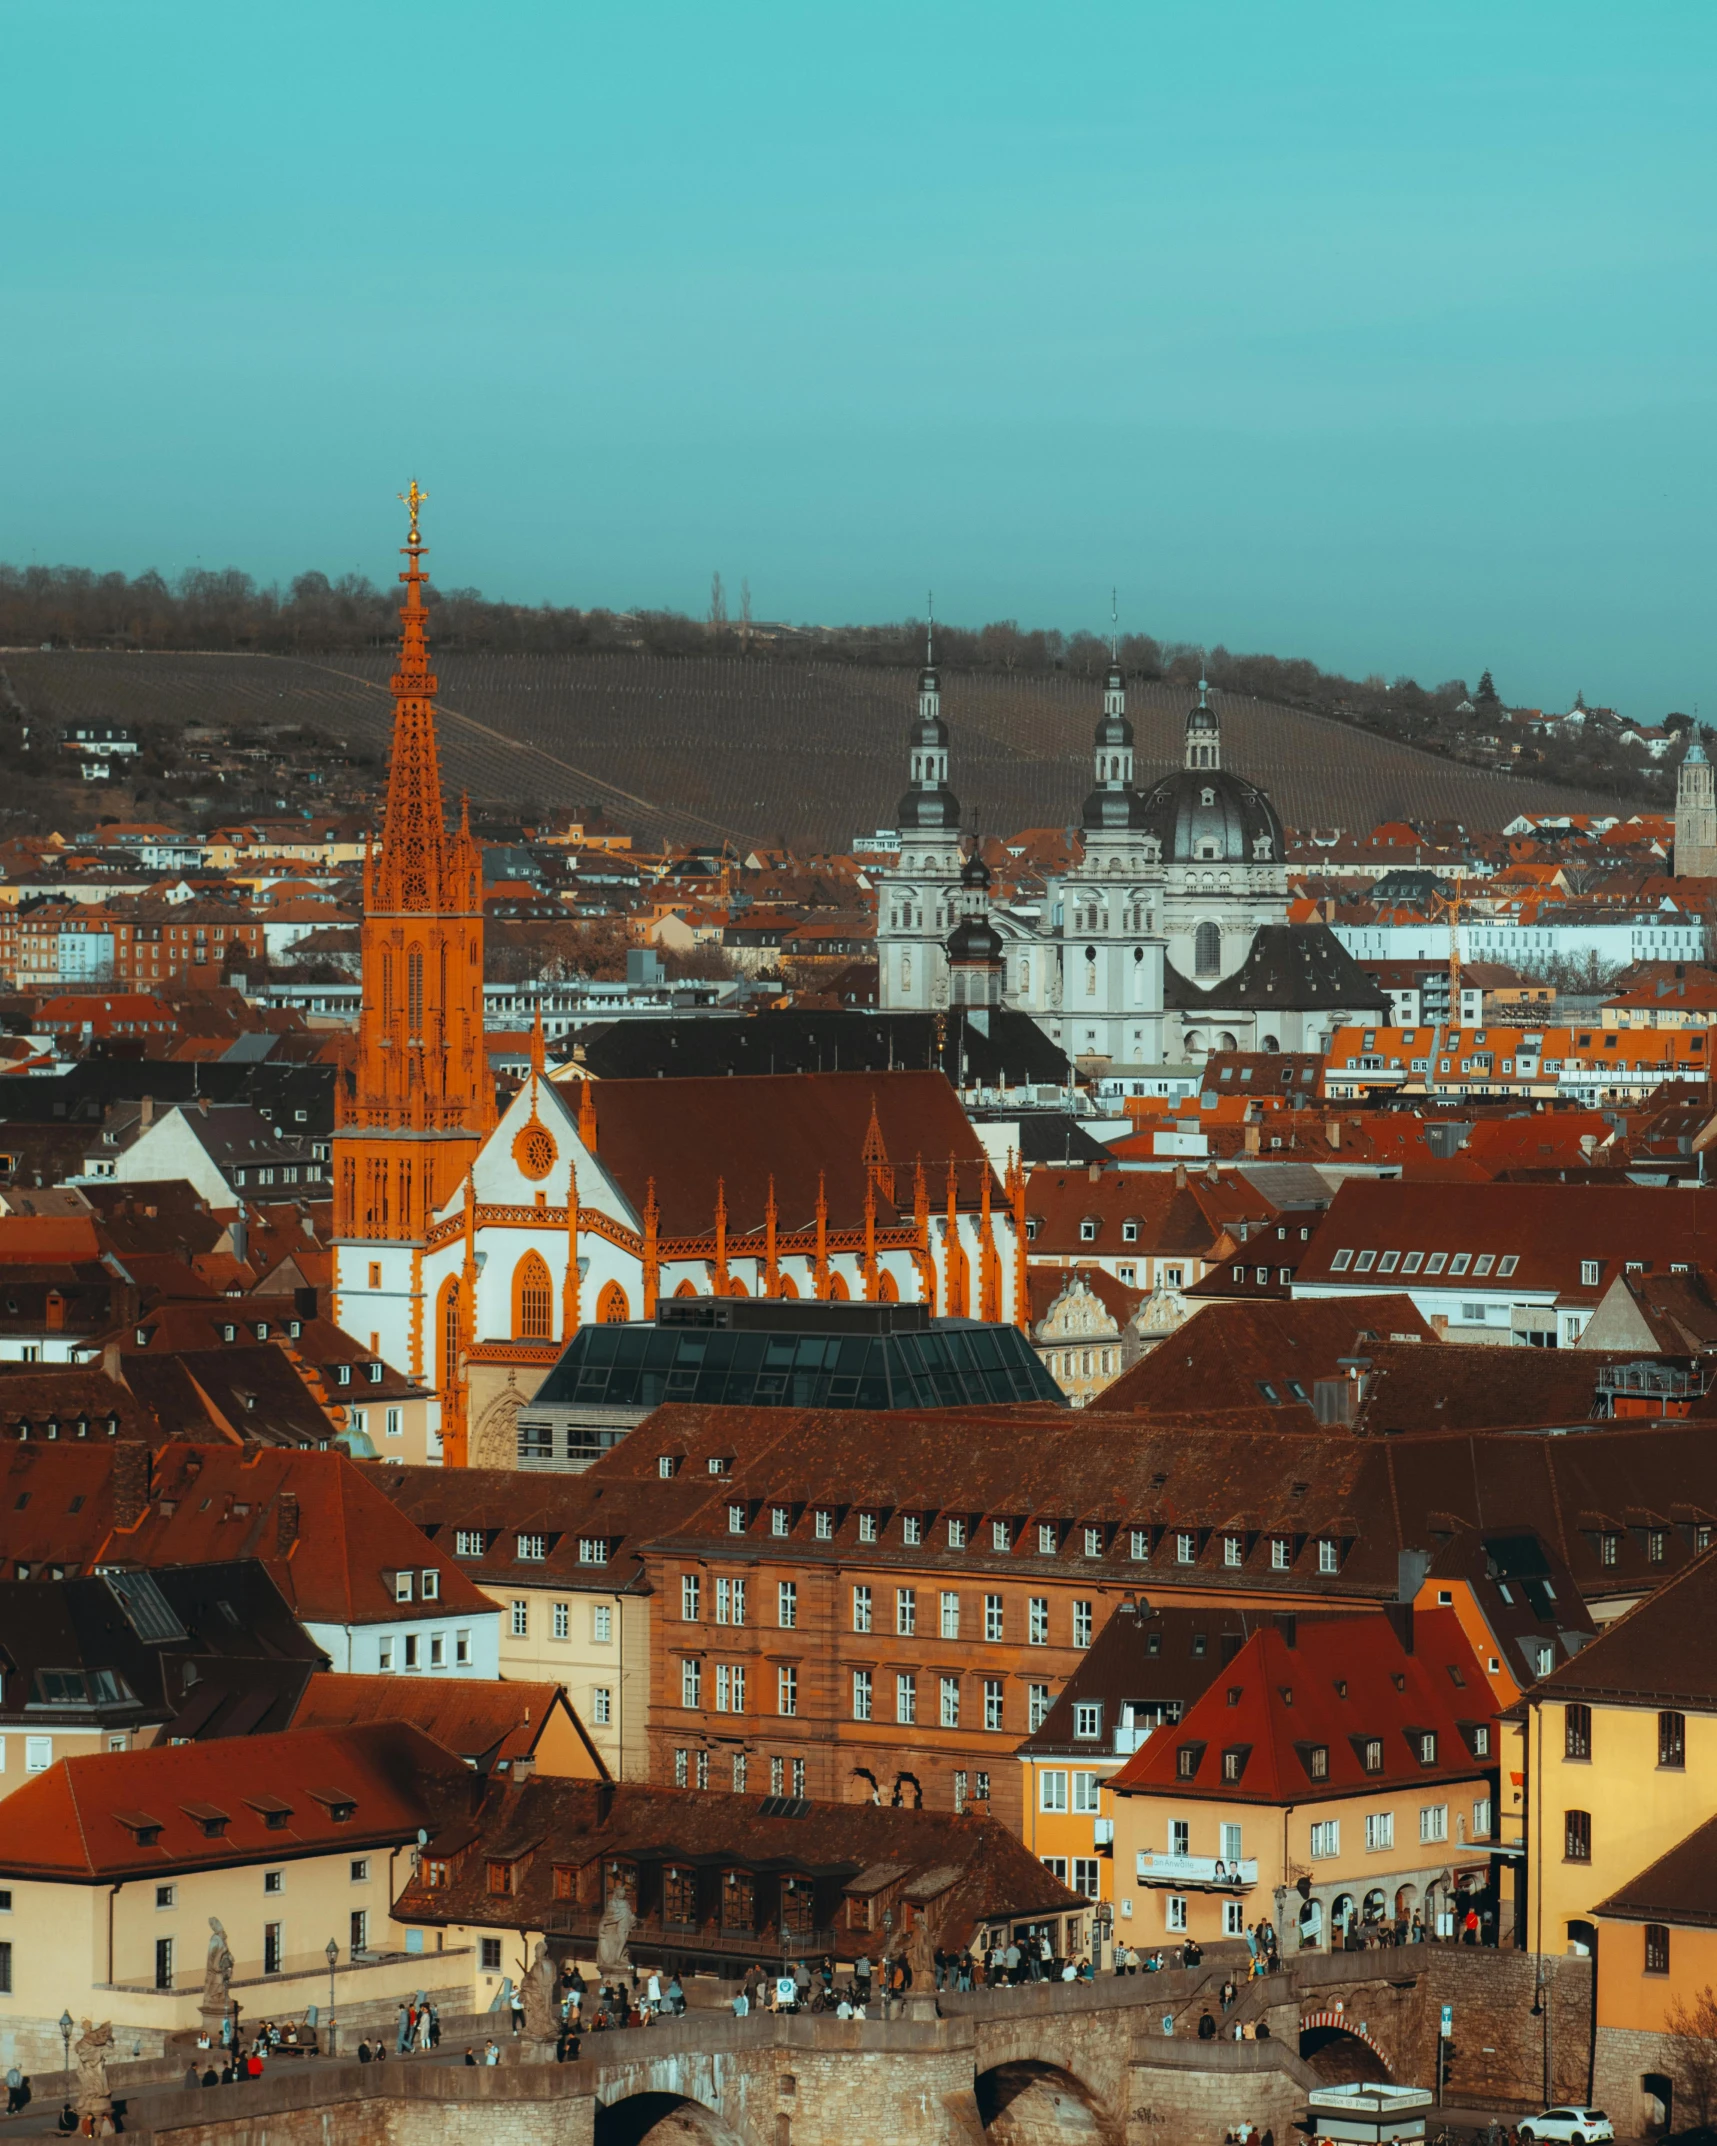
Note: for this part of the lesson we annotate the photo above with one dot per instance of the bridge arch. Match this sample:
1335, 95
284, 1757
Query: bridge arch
1027, 2101
1340, 2051
658, 2119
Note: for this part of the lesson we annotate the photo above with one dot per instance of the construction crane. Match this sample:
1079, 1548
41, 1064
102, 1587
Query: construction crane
1450, 905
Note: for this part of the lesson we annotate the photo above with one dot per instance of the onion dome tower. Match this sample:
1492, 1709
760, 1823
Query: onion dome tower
976, 964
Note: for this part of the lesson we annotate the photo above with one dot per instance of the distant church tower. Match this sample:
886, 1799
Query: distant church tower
917, 896
414, 1099
1695, 817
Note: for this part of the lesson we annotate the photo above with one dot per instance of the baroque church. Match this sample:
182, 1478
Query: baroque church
1168, 939
471, 1244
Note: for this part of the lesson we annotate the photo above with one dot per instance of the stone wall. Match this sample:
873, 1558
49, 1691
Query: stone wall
1621, 2060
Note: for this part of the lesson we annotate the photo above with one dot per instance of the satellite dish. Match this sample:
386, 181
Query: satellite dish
422, 1838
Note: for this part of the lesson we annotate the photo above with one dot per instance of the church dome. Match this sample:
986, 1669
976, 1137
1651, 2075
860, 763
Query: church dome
928, 811
974, 872
975, 939
1206, 815
1120, 809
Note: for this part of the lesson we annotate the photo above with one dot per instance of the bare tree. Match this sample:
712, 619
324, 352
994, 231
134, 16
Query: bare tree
745, 612
717, 604
1692, 2037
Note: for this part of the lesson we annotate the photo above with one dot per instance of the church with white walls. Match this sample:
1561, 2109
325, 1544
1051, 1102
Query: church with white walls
1167, 939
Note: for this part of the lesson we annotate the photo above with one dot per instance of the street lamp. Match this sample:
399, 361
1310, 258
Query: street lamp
66, 2036
333, 1955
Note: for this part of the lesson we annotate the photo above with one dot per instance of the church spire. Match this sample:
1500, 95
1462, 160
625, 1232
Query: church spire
412, 871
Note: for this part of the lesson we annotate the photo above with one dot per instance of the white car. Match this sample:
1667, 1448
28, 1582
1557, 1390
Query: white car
1569, 2125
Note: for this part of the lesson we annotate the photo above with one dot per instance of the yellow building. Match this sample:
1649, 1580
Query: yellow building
1339, 1773
1621, 1754
1657, 1952
114, 1869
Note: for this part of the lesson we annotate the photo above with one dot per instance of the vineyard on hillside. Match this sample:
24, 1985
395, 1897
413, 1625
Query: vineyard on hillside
806, 754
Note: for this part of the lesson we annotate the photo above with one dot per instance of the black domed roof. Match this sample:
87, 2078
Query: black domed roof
974, 872
974, 939
929, 810
1114, 730
1210, 816
928, 730
1119, 809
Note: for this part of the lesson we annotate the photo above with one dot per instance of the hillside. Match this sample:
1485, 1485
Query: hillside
809, 754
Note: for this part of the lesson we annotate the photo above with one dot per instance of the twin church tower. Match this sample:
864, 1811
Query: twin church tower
1165, 939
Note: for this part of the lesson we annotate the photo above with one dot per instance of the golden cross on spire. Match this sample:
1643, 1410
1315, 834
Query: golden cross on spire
412, 500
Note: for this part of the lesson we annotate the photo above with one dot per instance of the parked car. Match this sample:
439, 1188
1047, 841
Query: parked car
1570, 2125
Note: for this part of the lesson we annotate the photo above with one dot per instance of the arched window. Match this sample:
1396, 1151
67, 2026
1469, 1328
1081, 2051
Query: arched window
906, 972
687, 1288
736, 1288
1207, 950
789, 1287
612, 1308
533, 1299
414, 992
447, 1334
887, 1288
1025, 972
838, 1291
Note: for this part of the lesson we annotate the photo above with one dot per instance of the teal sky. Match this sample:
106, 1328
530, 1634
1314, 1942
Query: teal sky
1382, 334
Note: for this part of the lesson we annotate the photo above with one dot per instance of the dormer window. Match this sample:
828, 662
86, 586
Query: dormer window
342, 1374
375, 1371
825, 1524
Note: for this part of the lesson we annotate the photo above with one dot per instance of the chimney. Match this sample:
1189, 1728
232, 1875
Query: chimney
1400, 1615
1095, 1172
146, 1113
1332, 1132
130, 1482
285, 1522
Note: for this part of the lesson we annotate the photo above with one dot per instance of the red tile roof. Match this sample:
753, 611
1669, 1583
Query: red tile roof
1172, 1210
118, 1815
1226, 1354
1332, 1685
485, 1720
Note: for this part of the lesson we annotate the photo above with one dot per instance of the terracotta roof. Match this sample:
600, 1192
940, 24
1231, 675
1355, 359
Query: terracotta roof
1548, 1230
1335, 1685
1148, 1655
1661, 1652
1680, 1887
1227, 1355
487, 1721
797, 1128
1173, 1210
118, 1815
343, 1539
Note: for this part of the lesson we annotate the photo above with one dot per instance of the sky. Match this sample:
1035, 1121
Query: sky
1377, 334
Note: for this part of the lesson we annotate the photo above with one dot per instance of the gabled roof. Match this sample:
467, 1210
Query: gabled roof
1680, 1887
1148, 1653
1333, 1685
1226, 1355
490, 1722
117, 1815
1288, 967
1174, 1211
1663, 1652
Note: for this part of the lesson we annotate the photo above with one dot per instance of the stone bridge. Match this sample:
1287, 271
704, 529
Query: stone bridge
1114, 2063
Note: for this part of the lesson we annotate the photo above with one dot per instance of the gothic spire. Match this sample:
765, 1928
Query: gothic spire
412, 869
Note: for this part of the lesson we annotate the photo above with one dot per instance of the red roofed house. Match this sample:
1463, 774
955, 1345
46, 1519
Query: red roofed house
1356, 1752
1081, 1325
116, 1864
370, 1589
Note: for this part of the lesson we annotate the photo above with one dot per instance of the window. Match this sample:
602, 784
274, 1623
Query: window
691, 1596
1185, 1548
1045, 1538
468, 1542
1087, 1719
861, 1694
491, 1954
602, 1624
950, 1616
1317, 1762
730, 1690
1233, 1550
1139, 1544
601, 1705
1426, 1743
906, 1611
992, 1703
1082, 1624
956, 1534
274, 1881
1481, 1818
906, 1698
1577, 1836
1174, 1906
787, 1604
736, 1520
1656, 1545
402, 1586
1329, 1557
824, 1524
992, 1617
1371, 1757
780, 1520
867, 1527
1590, 1269
861, 1609
360, 1928
665, 1465
462, 1649
1280, 1553
1036, 1705
691, 1683
1657, 1948
1379, 1830
912, 1530
1085, 1876
786, 1691
163, 1963
1001, 1535
532, 1549
1577, 1732
166, 1896
1052, 1790
560, 1620
950, 1702
1672, 1740
1434, 1822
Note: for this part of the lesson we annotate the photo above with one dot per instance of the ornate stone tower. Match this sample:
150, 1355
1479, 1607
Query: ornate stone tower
1695, 817
917, 895
414, 1098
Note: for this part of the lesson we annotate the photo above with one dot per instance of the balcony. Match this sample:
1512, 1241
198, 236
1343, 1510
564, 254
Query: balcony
1208, 1872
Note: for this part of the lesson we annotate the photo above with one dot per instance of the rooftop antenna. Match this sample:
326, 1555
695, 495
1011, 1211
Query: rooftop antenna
929, 628
1114, 628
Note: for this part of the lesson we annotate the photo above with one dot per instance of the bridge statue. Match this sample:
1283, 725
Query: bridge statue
613, 1935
